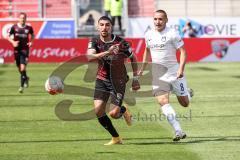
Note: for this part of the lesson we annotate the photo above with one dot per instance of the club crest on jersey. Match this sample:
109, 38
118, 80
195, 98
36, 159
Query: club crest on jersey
163, 39
220, 48
26, 31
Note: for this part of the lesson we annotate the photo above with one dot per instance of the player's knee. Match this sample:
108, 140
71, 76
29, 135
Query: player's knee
99, 112
162, 102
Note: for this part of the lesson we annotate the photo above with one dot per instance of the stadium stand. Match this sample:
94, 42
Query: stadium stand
4, 9
36, 8
11, 8
141, 8
200, 8
58, 9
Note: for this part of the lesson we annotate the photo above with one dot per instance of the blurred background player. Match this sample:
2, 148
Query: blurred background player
168, 75
21, 44
111, 51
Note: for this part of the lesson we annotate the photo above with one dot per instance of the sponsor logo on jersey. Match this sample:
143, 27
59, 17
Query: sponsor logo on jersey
26, 31
157, 46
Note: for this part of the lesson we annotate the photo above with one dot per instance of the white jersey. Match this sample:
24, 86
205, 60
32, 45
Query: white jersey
163, 46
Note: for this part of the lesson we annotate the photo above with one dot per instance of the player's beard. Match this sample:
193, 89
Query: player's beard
105, 34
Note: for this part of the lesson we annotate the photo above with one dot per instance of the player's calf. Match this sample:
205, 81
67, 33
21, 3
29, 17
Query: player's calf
183, 100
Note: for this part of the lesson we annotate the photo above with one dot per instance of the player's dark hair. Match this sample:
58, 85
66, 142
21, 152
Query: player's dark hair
23, 13
106, 18
161, 11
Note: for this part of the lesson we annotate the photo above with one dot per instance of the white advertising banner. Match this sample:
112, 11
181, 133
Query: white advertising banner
204, 27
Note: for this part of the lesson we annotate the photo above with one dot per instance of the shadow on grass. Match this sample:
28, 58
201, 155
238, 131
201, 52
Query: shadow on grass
205, 69
192, 140
2, 72
152, 140
105, 152
236, 76
4, 65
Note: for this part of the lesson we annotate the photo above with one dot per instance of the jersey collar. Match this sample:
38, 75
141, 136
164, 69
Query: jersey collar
18, 24
113, 38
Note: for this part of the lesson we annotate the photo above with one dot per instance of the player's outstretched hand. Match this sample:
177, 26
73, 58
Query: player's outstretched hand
135, 84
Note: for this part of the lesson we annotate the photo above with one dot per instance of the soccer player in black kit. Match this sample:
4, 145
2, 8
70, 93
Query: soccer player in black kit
22, 39
111, 51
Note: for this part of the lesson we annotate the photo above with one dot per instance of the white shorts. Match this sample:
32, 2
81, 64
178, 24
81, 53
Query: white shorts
167, 81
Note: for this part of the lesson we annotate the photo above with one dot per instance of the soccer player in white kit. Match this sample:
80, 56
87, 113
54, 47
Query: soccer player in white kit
168, 75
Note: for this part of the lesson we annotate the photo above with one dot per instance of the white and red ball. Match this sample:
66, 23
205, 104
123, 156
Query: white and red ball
54, 85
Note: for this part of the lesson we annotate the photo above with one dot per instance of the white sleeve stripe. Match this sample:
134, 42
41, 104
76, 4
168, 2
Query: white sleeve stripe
130, 56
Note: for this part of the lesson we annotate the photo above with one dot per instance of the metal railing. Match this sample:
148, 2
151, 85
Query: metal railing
11, 9
210, 8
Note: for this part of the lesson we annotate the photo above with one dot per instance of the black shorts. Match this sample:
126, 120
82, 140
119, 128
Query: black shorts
21, 57
103, 90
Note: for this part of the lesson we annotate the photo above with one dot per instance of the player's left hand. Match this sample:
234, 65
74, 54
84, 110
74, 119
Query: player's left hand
179, 73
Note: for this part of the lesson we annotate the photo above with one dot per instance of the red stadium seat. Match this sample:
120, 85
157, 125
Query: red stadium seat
141, 8
58, 9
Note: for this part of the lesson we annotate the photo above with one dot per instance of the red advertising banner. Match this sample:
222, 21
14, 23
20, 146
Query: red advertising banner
61, 50
47, 51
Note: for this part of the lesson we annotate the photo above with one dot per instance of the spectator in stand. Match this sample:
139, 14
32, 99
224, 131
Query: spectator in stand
189, 31
90, 21
107, 6
116, 12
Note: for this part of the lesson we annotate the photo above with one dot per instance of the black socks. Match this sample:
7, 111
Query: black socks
23, 77
107, 124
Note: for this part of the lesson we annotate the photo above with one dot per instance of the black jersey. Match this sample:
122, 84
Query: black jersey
111, 67
21, 34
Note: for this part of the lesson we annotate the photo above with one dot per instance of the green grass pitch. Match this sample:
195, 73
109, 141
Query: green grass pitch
30, 129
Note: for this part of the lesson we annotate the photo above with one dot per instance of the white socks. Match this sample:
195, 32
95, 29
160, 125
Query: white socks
169, 112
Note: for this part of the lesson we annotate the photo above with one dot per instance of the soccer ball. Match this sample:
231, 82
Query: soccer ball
54, 85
